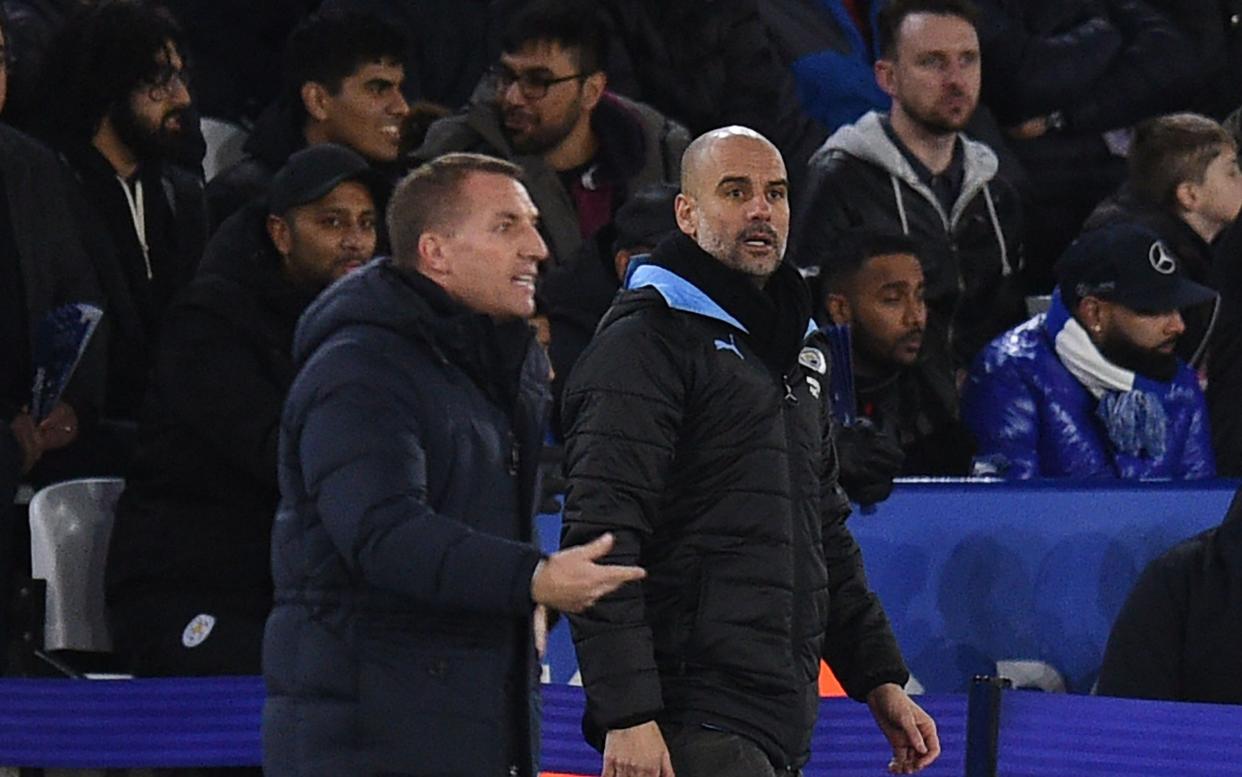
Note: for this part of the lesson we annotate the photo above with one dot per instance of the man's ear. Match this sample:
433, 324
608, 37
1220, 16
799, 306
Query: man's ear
280, 233
684, 208
315, 100
1187, 196
1092, 313
593, 87
838, 308
432, 258
883, 70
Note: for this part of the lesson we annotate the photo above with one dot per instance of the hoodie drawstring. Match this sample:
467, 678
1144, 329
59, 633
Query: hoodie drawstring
1006, 270
901, 205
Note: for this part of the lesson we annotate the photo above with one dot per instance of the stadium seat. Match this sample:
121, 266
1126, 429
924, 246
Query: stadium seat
70, 523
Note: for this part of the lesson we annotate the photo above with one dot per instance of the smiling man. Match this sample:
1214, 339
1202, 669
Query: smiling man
1094, 388
546, 107
342, 84
699, 435
407, 580
189, 582
912, 172
874, 283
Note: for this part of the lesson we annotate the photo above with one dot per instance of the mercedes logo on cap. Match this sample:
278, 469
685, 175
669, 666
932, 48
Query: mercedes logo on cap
1161, 260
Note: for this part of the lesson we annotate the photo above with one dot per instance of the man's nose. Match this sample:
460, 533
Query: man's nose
759, 208
1176, 325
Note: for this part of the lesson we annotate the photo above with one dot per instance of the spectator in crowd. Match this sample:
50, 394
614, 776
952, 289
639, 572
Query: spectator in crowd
203, 485
1177, 637
29, 26
913, 172
574, 298
583, 149
407, 583
1093, 388
684, 444
43, 265
120, 112
342, 84
1224, 367
873, 282
708, 64
1068, 77
830, 47
1184, 182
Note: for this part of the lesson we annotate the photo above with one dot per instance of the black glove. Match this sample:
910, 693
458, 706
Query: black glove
869, 462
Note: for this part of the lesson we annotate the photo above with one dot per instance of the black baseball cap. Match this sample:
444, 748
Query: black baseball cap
1128, 263
315, 171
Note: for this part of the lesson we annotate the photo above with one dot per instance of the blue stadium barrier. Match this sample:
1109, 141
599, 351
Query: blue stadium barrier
1004, 578
212, 721
1055, 735
215, 722
846, 740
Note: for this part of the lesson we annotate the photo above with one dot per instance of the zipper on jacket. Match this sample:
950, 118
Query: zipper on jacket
515, 456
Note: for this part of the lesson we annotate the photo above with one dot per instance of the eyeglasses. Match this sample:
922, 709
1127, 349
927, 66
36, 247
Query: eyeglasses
532, 84
165, 82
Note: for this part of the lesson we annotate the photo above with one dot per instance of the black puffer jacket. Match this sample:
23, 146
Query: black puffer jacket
970, 255
699, 434
202, 489
402, 556
1179, 633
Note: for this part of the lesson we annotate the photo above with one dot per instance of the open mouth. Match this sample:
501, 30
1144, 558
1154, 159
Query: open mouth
525, 280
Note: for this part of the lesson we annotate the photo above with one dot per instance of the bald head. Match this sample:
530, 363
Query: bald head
700, 154
734, 200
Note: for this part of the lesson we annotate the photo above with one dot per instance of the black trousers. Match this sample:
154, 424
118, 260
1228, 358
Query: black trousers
703, 752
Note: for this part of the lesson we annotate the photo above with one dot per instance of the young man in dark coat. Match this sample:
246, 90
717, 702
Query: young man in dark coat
699, 435
407, 583
189, 568
1179, 634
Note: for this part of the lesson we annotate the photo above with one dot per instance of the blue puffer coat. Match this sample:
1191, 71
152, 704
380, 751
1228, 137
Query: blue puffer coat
400, 639
1033, 418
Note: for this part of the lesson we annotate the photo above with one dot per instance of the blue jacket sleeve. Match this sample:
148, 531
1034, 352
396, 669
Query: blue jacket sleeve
1198, 458
365, 467
999, 410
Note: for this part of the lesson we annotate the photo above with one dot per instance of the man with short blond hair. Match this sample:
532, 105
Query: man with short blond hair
409, 592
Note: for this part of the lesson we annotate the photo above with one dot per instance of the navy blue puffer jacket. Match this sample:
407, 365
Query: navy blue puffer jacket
401, 552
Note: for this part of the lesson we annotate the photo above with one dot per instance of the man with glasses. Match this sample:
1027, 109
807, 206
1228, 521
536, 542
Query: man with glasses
122, 112
545, 105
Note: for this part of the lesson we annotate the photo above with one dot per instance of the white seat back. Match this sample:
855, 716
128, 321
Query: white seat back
70, 524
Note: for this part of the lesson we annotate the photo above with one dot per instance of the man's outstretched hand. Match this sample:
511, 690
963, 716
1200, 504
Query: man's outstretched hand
910, 731
572, 581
